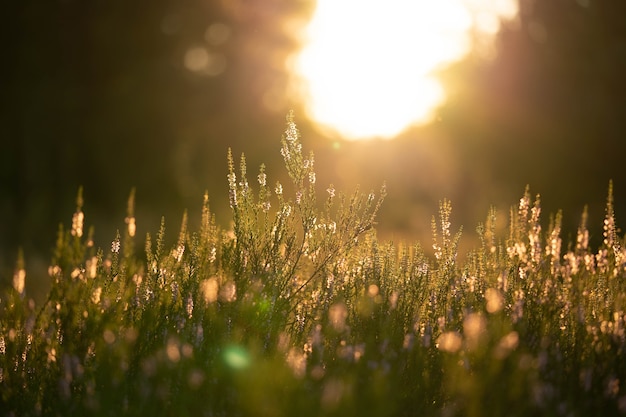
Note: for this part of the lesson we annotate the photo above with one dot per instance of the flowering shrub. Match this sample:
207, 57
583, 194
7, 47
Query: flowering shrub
298, 309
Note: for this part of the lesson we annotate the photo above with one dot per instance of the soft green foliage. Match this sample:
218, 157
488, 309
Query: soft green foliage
298, 309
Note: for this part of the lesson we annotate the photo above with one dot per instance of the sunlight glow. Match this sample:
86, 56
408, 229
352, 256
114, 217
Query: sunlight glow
367, 68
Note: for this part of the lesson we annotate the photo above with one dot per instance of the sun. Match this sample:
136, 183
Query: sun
368, 67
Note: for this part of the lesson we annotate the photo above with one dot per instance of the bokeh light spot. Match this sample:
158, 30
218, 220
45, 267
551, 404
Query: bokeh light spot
217, 33
203, 62
495, 300
236, 357
196, 59
264, 306
449, 342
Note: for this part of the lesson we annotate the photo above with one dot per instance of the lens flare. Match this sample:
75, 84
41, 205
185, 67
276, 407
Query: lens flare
368, 68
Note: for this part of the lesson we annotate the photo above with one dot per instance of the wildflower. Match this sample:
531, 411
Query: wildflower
174, 289
92, 267
301, 320
553, 249
286, 212
291, 134
279, 189
582, 237
76, 273
438, 251
228, 292
115, 246
572, 262
262, 177
519, 250
132, 226
77, 223
609, 227
213, 255
534, 235
524, 204
189, 306
244, 187
54, 270
312, 177
331, 191
232, 198
232, 180
19, 280
95, 296
178, 253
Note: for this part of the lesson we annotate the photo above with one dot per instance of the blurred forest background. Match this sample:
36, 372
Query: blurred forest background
102, 94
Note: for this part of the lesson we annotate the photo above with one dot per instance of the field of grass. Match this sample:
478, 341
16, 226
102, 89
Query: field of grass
298, 310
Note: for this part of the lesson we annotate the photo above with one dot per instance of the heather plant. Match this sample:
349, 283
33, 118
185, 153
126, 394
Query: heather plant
299, 309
